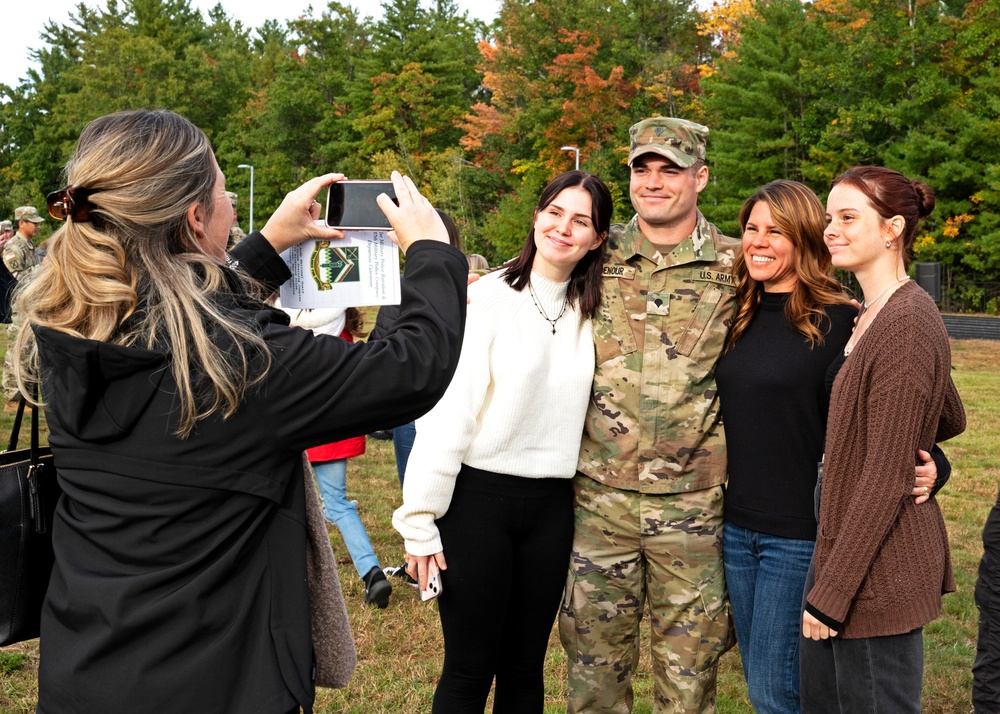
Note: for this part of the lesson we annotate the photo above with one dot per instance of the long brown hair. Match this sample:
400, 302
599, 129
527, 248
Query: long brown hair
585, 280
801, 218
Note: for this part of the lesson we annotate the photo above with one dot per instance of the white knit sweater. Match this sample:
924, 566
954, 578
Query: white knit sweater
516, 405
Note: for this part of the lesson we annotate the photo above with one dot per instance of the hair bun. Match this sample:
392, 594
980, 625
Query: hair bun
925, 198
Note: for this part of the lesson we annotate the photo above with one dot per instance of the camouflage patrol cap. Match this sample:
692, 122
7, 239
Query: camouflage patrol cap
233, 198
678, 140
27, 213
6, 226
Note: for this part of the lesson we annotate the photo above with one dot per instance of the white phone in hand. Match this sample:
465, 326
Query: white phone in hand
433, 588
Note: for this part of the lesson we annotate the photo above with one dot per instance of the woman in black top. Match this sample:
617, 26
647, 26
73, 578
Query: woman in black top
792, 320
179, 405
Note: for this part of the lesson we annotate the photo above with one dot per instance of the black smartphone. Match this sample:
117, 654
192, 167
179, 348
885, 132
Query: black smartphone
351, 204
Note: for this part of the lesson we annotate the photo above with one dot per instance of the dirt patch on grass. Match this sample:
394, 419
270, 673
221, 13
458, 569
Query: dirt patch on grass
975, 355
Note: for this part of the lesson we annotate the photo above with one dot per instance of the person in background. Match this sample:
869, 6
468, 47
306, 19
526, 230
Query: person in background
403, 435
7, 280
329, 461
236, 233
6, 232
19, 252
7, 284
179, 406
986, 668
489, 482
881, 562
20, 257
478, 264
792, 320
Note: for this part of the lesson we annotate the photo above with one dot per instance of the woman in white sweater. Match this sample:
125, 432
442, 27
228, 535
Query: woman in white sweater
488, 483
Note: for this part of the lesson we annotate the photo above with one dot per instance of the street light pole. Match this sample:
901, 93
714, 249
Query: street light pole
248, 166
575, 151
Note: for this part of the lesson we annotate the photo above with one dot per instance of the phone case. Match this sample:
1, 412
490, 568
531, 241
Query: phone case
433, 583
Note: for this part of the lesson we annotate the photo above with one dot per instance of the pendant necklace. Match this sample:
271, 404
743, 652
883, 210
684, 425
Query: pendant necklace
864, 308
538, 306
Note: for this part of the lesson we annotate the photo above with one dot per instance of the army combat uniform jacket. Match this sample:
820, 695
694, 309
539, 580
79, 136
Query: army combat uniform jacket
19, 256
653, 424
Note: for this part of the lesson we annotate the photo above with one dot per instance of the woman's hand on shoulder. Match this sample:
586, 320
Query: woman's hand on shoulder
417, 566
295, 219
414, 218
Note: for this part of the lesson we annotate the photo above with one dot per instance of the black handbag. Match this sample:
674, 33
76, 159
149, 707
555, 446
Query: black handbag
28, 495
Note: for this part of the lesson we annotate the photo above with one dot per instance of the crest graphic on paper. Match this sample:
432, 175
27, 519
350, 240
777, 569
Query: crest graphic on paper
329, 265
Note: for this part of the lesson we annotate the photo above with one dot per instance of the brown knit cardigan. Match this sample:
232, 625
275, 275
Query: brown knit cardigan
882, 563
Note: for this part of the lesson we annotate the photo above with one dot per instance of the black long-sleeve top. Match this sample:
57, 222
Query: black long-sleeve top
774, 405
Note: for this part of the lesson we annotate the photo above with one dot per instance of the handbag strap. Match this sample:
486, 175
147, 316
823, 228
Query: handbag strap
35, 455
15, 431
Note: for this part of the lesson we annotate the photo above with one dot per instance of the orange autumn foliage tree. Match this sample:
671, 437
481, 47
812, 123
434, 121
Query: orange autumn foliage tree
570, 103
590, 115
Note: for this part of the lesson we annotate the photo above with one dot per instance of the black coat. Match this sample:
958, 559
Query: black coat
7, 284
180, 576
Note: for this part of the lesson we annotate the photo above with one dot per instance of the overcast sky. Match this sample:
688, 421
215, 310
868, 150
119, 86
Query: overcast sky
23, 21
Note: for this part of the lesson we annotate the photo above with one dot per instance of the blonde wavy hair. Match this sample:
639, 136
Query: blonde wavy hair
134, 274
800, 217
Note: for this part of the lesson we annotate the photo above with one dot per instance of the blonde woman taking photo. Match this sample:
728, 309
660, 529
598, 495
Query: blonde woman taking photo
179, 406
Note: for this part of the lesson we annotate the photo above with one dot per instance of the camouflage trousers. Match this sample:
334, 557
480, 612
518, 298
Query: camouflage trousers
10, 390
631, 548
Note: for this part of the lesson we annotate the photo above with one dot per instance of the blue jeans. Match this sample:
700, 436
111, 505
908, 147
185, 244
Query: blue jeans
402, 444
766, 575
332, 479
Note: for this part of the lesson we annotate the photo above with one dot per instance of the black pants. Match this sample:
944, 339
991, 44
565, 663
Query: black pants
986, 668
873, 675
507, 542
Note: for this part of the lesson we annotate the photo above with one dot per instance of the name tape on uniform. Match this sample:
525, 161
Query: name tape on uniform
618, 271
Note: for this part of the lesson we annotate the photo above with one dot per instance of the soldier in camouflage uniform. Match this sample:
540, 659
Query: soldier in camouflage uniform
19, 252
7, 281
652, 462
236, 233
20, 258
6, 232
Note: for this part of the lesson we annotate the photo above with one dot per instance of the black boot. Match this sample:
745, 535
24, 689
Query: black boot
377, 588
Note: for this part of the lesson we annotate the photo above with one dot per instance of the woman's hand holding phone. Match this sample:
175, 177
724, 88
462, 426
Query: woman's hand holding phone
413, 219
296, 217
421, 568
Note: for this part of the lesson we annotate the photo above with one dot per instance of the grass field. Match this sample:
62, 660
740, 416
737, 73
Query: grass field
400, 649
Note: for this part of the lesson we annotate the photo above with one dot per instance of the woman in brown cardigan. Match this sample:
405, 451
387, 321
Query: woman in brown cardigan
881, 563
